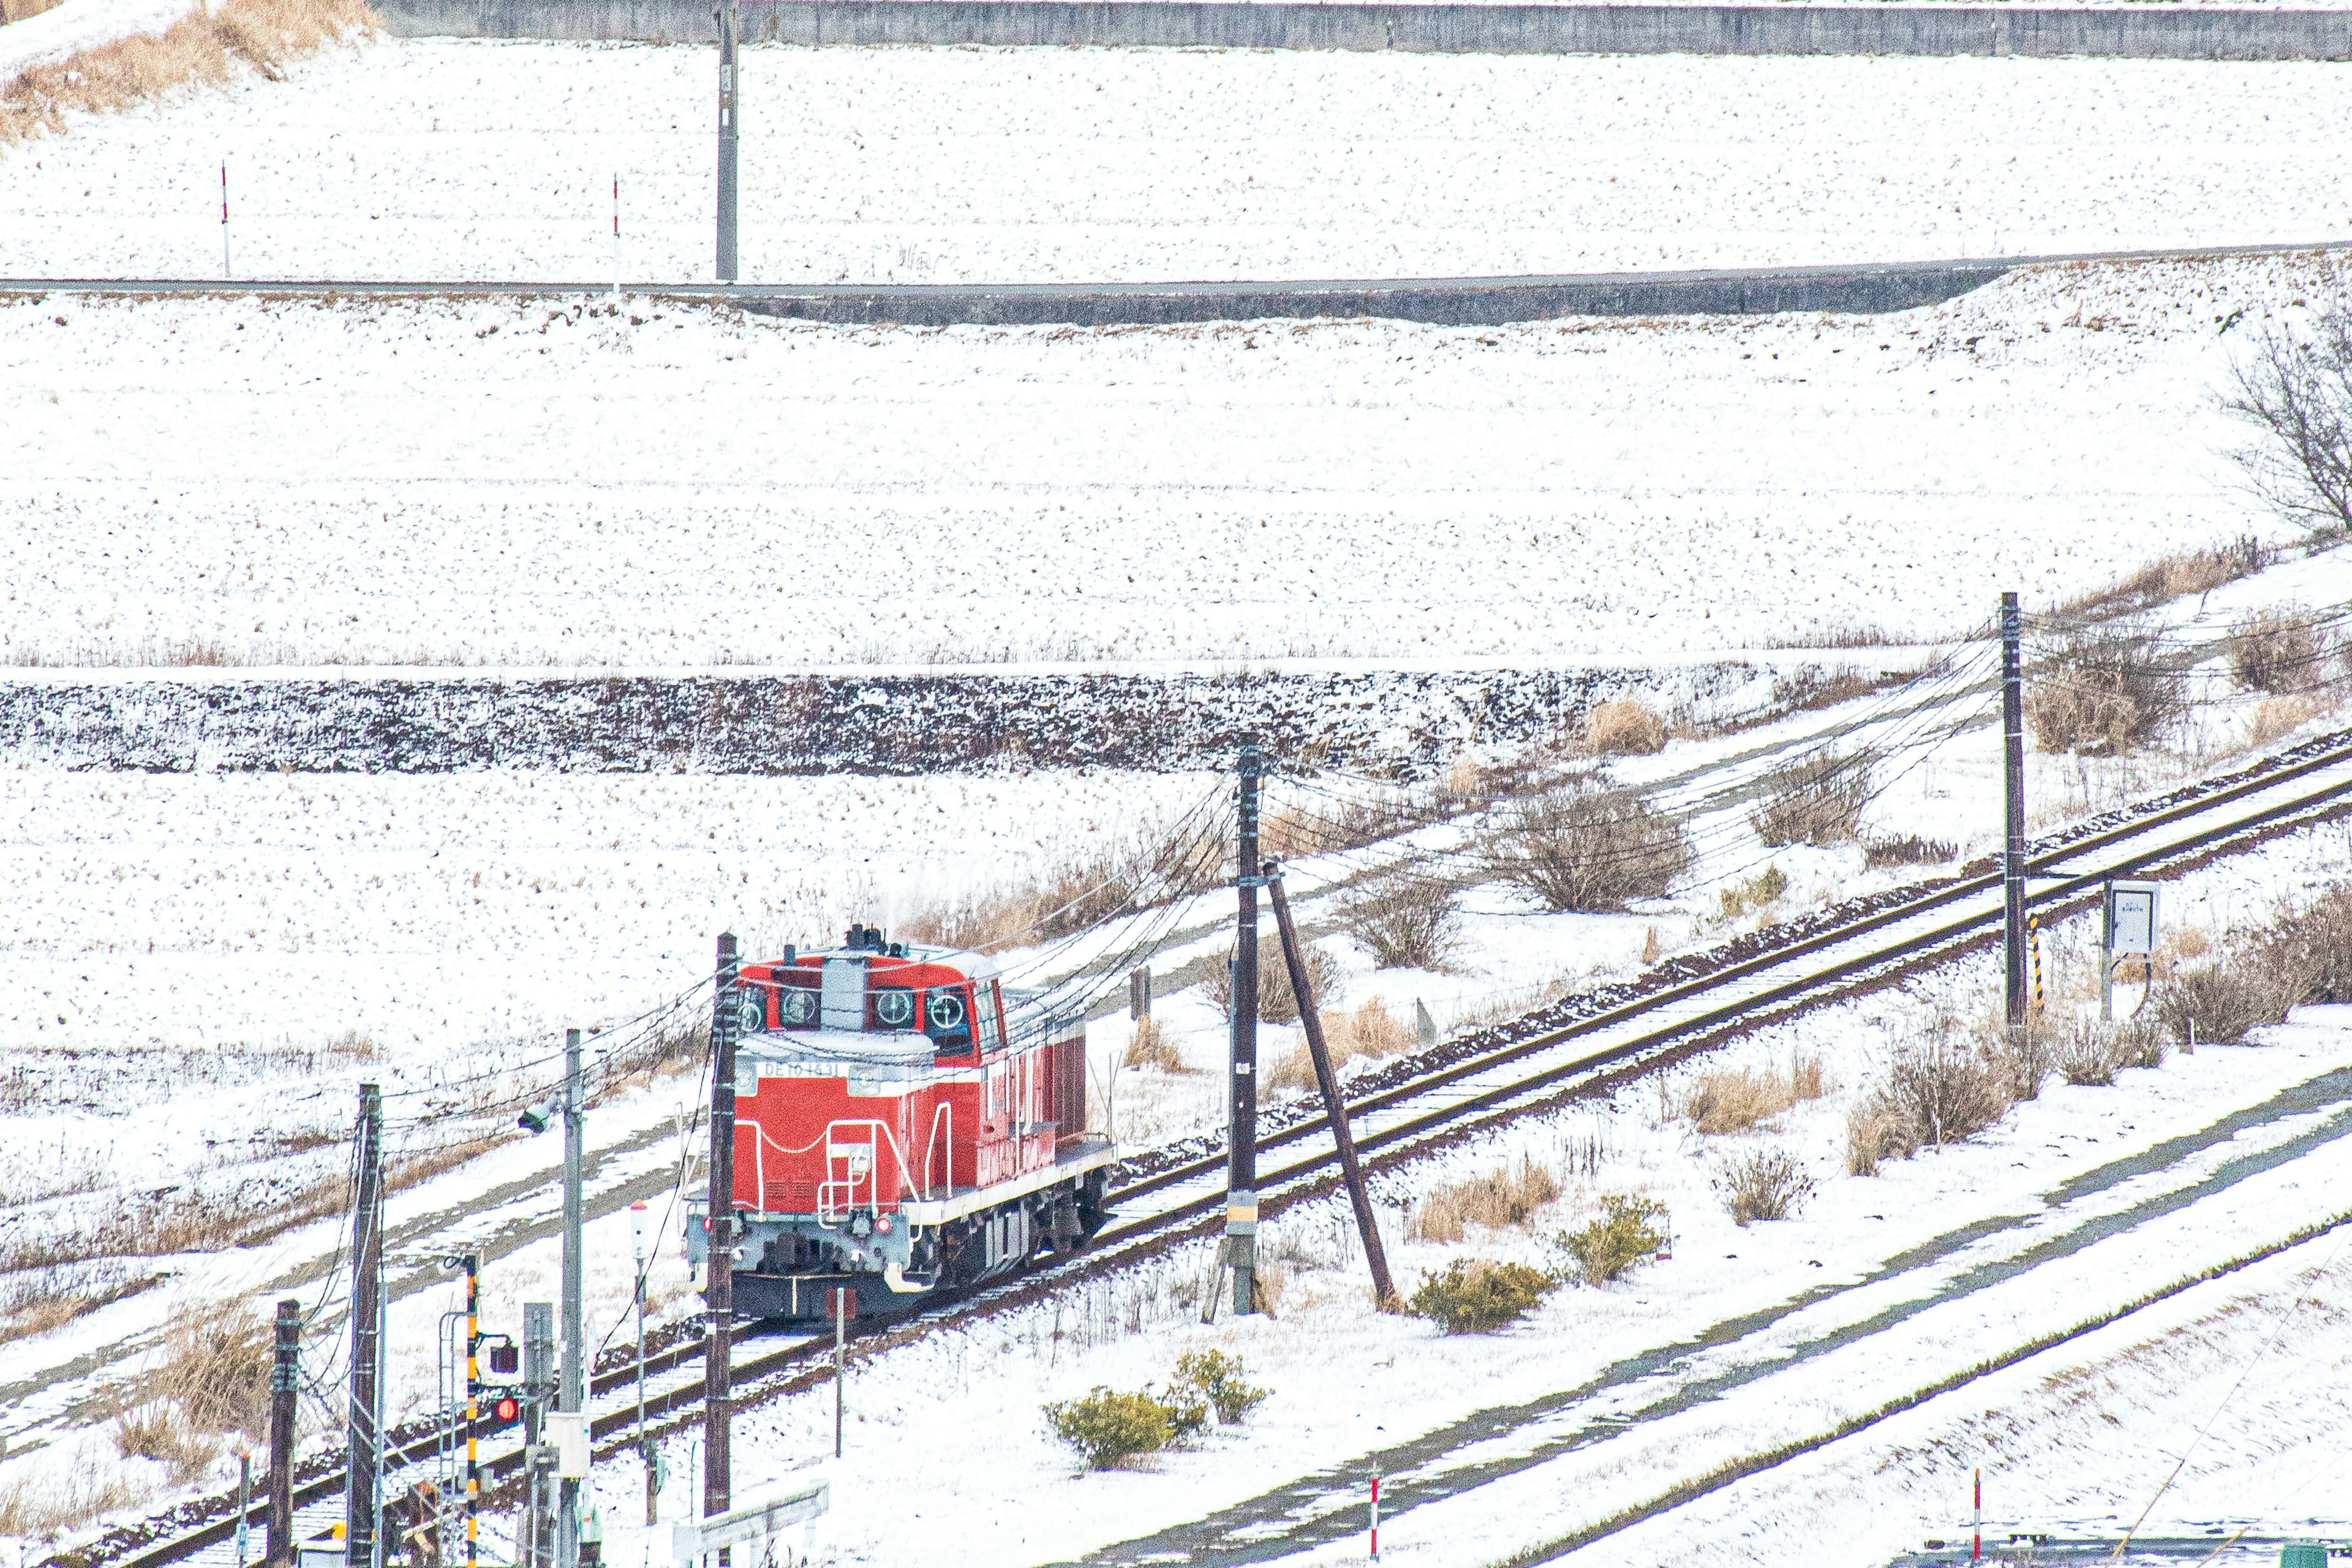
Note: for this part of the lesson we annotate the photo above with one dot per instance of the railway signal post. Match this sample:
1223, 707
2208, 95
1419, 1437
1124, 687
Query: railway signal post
1241, 1159
719, 1284
2013, 769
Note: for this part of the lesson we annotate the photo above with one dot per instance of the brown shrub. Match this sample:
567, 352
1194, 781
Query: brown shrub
2320, 936
161, 1433
1588, 850
215, 1370
202, 49
1941, 1086
1405, 919
1814, 800
2094, 1051
1294, 833
1908, 849
2272, 652
2106, 692
1150, 1047
2224, 999
1506, 1195
1763, 1183
1623, 729
1277, 1003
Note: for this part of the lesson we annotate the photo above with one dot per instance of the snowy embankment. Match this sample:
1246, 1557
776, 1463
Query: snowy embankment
516, 484
73, 26
443, 159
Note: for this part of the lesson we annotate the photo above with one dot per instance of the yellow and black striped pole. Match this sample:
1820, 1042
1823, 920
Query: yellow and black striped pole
473, 1408
2034, 942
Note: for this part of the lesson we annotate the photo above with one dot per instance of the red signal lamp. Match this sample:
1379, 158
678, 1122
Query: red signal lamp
507, 1408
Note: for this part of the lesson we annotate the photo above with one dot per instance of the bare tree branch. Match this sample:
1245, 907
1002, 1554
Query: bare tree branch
2297, 391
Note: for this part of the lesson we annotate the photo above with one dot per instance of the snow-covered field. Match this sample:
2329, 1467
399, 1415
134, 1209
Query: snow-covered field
449, 159
513, 483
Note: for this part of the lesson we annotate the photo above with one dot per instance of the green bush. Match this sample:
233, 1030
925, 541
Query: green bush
1476, 1295
1218, 1378
1108, 1428
1629, 1230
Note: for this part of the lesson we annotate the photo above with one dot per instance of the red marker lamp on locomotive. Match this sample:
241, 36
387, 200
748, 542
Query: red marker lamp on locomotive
902, 1126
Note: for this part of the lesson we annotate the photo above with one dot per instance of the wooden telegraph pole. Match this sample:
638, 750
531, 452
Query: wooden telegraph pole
719, 1286
285, 1383
1328, 1080
361, 1516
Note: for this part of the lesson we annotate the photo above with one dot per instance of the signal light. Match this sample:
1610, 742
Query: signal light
882, 1223
507, 1408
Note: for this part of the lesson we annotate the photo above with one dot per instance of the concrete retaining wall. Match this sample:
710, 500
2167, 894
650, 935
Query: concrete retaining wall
2136, 32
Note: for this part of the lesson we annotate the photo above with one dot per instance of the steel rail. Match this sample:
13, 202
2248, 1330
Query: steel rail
1773, 959
2334, 750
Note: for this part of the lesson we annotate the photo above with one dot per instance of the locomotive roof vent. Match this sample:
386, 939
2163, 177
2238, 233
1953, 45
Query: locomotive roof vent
868, 939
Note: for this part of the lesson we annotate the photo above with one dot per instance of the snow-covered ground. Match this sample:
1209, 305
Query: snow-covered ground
1349, 1383
512, 483
457, 159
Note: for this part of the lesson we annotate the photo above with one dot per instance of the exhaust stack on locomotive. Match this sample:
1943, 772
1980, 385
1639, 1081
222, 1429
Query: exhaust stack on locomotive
903, 1125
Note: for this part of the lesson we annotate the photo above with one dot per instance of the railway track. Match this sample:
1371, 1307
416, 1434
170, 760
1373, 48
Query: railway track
1544, 1061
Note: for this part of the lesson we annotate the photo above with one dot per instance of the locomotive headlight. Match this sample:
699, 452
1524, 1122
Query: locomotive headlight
882, 1225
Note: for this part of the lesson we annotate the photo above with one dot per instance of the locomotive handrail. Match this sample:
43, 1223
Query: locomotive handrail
931, 1142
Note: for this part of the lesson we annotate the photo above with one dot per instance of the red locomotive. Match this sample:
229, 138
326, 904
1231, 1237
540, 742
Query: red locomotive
904, 1125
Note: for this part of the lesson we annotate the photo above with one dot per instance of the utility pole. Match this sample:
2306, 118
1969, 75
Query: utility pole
1241, 1154
645, 1447
568, 1398
285, 1383
719, 1286
729, 107
538, 1379
362, 1519
2013, 871
1327, 1078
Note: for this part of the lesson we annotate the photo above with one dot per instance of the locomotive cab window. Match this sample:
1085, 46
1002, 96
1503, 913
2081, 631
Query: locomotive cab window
798, 1007
947, 1018
989, 1037
890, 1007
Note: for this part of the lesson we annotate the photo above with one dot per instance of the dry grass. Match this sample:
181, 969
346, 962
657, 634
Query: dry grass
1507, 1196
2277, 652
1405, 919
1293, 833
162, 1434
2104, 692
1277, 1003
2093, 1051
215, 1370
1760, 891
1623, 729
203, 48
1072, 895
18, 10
2276, 718
1734, 1100
38, 1300
38, 1508
1814, 800
1588, 849
2171, 578
1370, 1033
1909, 849
1152, 1047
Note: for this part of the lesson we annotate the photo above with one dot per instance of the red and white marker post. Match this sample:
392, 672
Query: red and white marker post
1376, 1516
1976, 1539
225, 273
